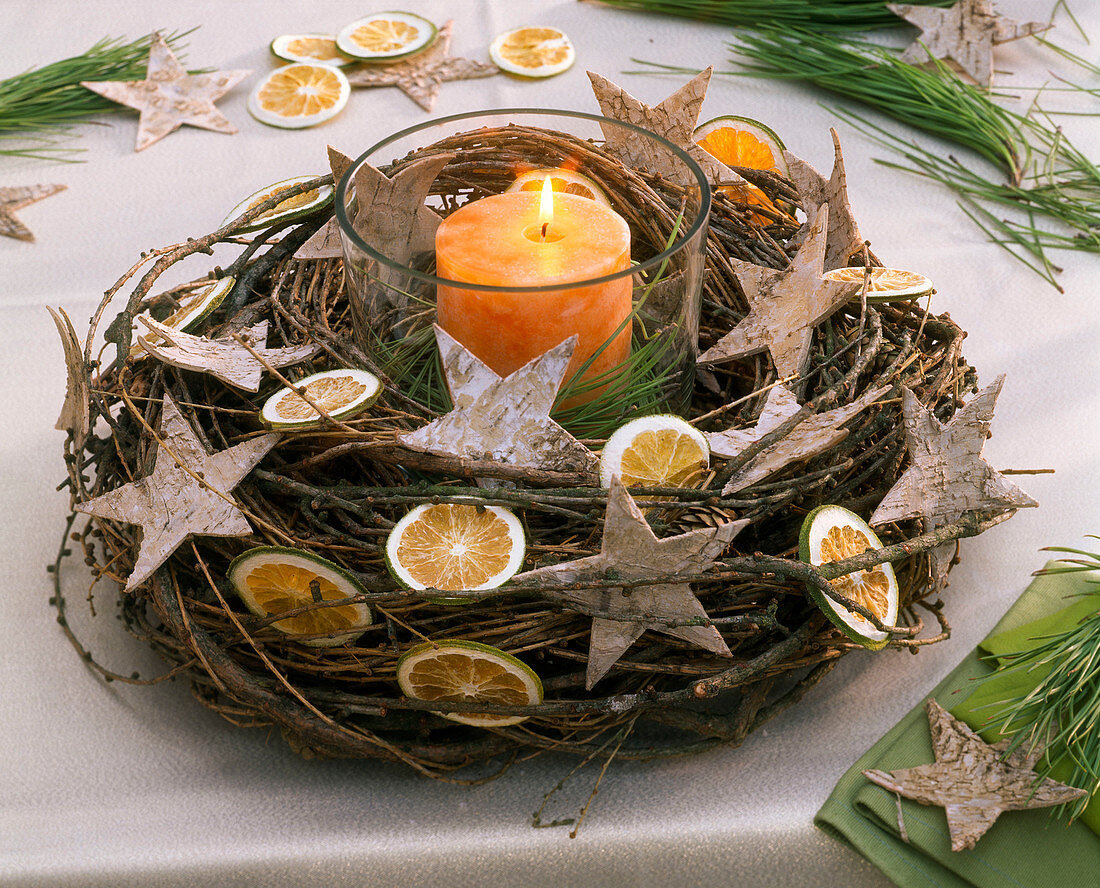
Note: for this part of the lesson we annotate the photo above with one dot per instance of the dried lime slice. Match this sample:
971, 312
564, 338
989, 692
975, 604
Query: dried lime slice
292, 208
456, 547
832, 533
300, 95
884, 284
655, 451
318, 48
273, 579
564, 181
193, 308
532, 52
341, 394
466, 671
385, 36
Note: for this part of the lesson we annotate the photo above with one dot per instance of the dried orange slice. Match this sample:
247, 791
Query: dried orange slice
466, 671
273, 580
193, 307
456, 547
319, 48
291, 208
832, 533
532, 52
885, 284
385, 36
655, 451
563, 181
744, 142
300, 95
341, 394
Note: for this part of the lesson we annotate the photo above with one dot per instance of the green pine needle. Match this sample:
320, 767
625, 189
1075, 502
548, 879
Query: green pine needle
38, 106
819, 14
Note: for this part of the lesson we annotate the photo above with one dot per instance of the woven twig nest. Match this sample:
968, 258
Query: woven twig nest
336, 491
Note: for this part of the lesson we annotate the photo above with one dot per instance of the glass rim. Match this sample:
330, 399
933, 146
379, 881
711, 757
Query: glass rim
348, 232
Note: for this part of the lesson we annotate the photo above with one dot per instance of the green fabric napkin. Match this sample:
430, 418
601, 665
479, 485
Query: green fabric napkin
1023, 849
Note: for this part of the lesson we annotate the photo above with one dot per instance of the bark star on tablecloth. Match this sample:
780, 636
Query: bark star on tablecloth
15, 198
964, 33
503, 419
785, 306
169, 97
171, 504
420, 77
224, 359
673, 119
971, 782
631, 551
815, 434
325, 241
947, 476
75, 414
843, 240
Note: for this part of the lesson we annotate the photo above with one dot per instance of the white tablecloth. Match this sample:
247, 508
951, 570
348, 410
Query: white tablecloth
109, 785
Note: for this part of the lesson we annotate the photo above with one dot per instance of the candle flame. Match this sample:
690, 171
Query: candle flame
546, 204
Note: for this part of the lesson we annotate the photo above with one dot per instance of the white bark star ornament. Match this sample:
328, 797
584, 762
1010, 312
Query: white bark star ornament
169, 97
784, 306
224, 359
947, 477
964, 33
631, 551
325, 241
972, 780
420, 76
12, 199
172, 504
843, 240
505, 420
674, 119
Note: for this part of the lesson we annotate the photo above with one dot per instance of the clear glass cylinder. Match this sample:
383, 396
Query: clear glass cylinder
635, 310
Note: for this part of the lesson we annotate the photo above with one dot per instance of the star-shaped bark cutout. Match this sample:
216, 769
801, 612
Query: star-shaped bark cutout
673, 119
964, 33
816, 434
631, 551
947, 477
505, 420
224, 359
12, 199
169, 97
188, 494
421, 76
844, 240
973, 781
75, 416
390, 213
325, 241
784, 306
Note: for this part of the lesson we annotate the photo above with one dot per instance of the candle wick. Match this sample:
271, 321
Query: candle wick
545, 225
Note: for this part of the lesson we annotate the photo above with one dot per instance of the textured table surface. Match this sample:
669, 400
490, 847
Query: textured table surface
111, 785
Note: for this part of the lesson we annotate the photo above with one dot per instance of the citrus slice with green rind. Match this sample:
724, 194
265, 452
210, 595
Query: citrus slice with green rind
456, 547
655, 451
316, 48
341, 394
884, 284
292, 208
832, 533
193, 308
300, 95
532, 52
563, 181
386, 36
466, 671
744, 142
272, 580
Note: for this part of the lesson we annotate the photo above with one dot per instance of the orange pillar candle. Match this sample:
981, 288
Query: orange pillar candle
502, 241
